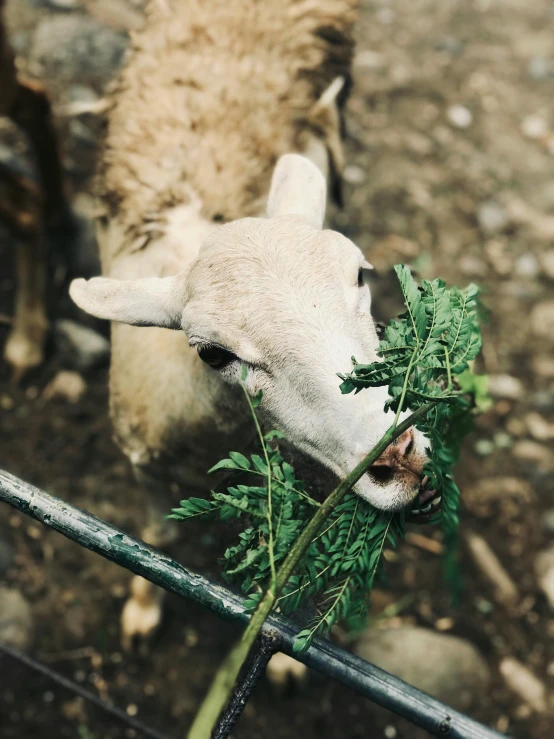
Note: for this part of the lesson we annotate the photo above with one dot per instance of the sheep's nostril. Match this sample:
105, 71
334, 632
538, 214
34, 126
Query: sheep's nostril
381, 472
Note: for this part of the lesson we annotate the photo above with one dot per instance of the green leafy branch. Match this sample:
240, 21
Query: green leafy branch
295, 549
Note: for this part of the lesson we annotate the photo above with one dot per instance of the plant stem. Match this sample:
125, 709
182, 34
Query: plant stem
224, 680
269, 500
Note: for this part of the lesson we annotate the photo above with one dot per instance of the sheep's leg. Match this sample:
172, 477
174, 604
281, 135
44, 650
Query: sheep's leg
142, 611
32, 112
21, 210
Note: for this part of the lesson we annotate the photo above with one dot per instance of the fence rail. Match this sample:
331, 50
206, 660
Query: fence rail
134, 555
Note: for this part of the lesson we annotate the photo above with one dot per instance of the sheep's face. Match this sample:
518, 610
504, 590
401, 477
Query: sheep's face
290, 301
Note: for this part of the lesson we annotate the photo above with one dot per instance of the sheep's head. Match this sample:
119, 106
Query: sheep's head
290, 301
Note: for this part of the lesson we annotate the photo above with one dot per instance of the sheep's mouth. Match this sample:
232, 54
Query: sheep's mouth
426, 504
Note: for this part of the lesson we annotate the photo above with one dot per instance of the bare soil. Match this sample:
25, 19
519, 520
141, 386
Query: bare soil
423, 174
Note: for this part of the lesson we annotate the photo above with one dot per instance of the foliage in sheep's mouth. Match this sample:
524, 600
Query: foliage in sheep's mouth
426, 504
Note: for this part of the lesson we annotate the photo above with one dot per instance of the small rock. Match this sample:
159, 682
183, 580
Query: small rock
505, 386
484, 447
527, 266
539, 428
80, 346
81, 94
472, 266
543, 400
530, 451
459, 116
534, 127
544, 366
283, 671
505, 590
368, 59
354, 175
66, 385
542, 319
547, 263
544, 571
492, 489
449, 44
62, 4
523, 682
492, 217
16, 622
447, 667
539, 68
73, 46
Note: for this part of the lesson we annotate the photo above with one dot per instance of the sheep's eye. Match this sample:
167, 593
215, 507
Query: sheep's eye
216, 356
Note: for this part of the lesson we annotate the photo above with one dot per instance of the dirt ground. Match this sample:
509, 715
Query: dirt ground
451, 156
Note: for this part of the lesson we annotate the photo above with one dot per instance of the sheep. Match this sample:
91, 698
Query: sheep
28, 210
214, 98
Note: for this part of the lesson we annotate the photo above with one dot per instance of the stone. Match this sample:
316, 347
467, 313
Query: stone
505, 386
81, 347
542, 319
527, 266
74, 46
523, 682
492, 217
531, 451
485, 559
544, 366
539, 68
66, 385
539, 428
459, 116
447, 667
534, 127
491, 489
544, 571
354, 175
16, 621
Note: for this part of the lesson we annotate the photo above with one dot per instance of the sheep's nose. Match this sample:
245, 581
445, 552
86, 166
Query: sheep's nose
396, 458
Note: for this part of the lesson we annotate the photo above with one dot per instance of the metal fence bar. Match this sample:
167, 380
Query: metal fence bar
133, 554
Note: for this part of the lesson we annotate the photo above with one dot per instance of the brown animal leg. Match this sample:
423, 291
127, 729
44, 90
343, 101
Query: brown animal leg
21, 210
32, 112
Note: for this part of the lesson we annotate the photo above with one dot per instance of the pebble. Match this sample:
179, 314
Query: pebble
368, 59
527, 266
544, 571
459, 116
547, 263
542, 319
63, 4
80, 346
534, 127
492, 217
544, 366
16, 622
66, 385
505, 386
531, 451
539, 428
472, 266
504, 589
523, 682
539, 68
73, 46
447, 667
491, 489
354, 175
484, 447
283, 670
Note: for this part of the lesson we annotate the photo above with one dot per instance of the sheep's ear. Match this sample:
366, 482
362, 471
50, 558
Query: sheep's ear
297, 188
154, 301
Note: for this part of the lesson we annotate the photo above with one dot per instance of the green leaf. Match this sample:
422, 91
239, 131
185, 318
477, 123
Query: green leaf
240, 460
